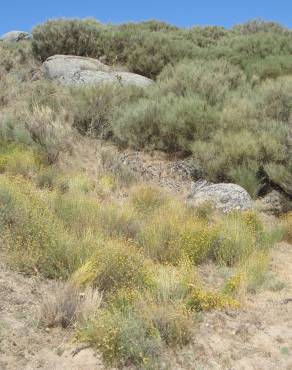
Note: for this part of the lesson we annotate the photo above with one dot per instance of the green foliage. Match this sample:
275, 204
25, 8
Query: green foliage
170, 123
270, 67
123, 337
259, 26
33, 236
212, 80
65, 36
18, 160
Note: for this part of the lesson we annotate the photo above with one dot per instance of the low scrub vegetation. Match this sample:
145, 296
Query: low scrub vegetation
141, 257
221, 97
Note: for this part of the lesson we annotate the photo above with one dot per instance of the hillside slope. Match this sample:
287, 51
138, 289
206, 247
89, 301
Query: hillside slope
256, 338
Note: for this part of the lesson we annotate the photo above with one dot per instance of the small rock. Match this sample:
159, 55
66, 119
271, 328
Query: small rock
224, 197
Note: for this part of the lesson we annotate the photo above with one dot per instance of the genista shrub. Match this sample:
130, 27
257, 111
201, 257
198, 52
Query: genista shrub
219, 97
159, 237
206, 301
78, 212
288, 227
18, 60
47, 178
135, 328
239, 236
147, 198
174, 283
35, 240
49, 132
197, 239
114, 265
124, 338
19, 160
172, 320
242, 49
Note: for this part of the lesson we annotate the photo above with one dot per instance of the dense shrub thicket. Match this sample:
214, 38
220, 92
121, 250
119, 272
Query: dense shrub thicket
220, 95
147, 47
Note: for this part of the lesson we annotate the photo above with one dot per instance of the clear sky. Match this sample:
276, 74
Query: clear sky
24, 14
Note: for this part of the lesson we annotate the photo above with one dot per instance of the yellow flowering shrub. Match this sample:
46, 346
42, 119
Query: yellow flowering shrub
197, 239
17, 160
123, 337
288, 227
80, 213
237, 239
233, 284
115, 265
201, 300
32, 234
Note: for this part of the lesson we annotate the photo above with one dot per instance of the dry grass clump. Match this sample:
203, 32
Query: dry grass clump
48, 131
147, 198
65, 305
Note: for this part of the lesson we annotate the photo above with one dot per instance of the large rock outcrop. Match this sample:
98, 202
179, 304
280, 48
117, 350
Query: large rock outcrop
74, 70
224, 197
15, 36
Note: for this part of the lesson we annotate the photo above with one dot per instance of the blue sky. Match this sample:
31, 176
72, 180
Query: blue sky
24, 14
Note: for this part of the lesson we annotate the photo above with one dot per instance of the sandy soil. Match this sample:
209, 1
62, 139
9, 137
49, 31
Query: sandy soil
26, 346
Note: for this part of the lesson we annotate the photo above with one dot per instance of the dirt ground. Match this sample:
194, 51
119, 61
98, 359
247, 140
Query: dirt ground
26, 346
258, 337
